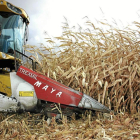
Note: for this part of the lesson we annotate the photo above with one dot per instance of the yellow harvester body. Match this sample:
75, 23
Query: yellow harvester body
13, 35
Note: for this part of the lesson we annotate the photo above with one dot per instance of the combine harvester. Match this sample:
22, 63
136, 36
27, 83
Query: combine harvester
23, 89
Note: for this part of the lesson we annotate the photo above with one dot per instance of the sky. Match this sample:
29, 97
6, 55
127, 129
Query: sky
47, 16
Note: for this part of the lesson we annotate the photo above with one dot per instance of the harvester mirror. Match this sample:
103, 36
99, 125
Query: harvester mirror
27, 33
0, 30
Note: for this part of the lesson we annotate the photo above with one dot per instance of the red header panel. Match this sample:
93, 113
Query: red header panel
48, 89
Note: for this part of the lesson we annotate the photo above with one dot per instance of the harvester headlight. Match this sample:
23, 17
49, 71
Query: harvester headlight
1, 2
13, 8
3, 55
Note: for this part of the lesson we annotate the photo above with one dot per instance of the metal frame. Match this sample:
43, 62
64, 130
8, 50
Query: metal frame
33, 63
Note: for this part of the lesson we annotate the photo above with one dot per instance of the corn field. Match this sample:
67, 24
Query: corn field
101, 62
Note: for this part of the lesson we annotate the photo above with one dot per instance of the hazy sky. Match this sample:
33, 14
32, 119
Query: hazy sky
48, 15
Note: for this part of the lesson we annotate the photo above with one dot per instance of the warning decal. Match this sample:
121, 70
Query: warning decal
26, 93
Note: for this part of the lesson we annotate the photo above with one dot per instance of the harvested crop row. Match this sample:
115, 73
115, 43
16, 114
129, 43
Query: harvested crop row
35, 127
